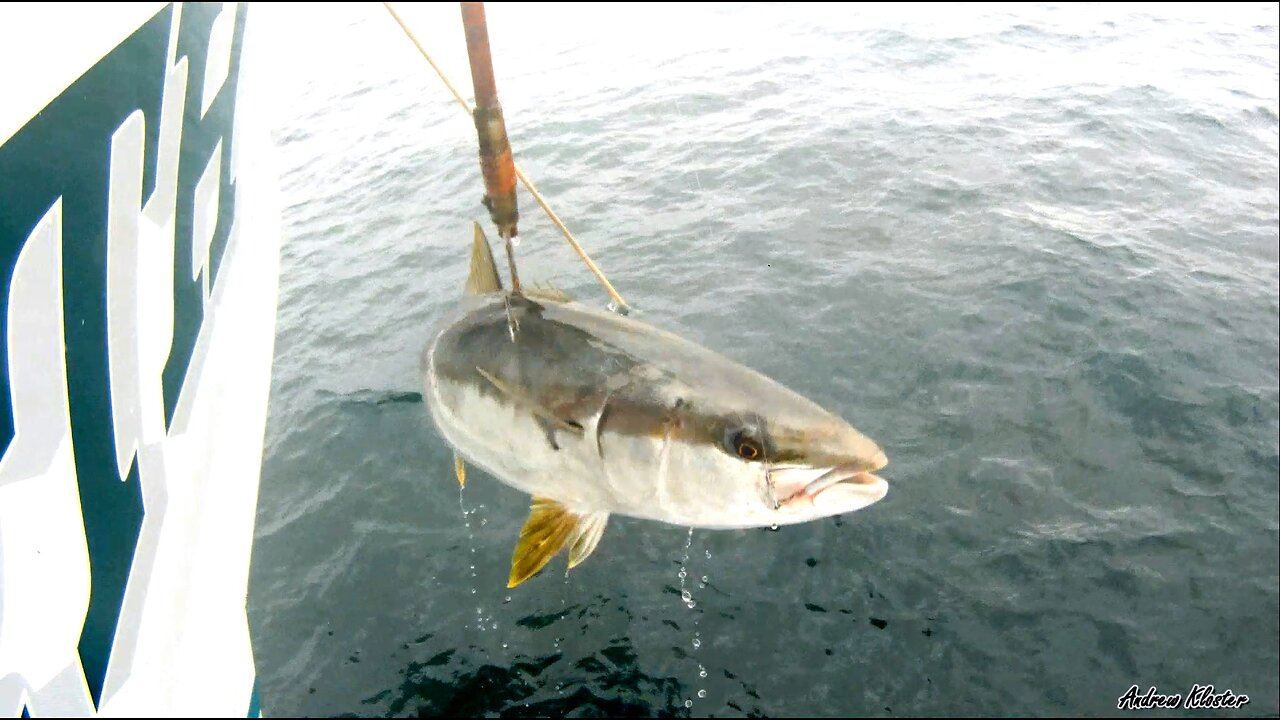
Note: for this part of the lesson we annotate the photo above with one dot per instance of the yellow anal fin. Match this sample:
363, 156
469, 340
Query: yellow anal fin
549, 528
460, 468
532, 405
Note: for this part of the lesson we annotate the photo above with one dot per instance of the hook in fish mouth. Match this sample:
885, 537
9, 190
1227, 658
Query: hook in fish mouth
803, 485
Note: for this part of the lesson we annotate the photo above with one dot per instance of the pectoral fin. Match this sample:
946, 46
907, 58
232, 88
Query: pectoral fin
538, 409
549, 528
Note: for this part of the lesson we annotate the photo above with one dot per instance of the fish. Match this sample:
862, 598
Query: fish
595, 414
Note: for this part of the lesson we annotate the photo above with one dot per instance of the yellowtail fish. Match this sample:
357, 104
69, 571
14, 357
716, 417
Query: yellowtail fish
592, 414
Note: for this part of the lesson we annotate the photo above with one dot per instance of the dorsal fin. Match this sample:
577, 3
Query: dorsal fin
547, 292
549, 528
483, 277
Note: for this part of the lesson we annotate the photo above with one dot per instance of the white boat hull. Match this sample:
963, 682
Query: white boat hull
139, 228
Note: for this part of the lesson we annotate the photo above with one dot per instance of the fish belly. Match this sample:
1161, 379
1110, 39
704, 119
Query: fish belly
510, 444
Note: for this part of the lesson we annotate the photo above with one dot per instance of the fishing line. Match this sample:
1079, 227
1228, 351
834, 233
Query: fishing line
618, 305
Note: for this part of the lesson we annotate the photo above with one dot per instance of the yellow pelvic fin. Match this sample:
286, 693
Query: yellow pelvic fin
460, 468
585, 540
549, 528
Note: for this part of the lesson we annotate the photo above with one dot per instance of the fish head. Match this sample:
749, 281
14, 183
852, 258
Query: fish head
786, 468
736, 449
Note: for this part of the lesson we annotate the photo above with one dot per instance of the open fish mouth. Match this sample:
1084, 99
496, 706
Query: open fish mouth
849, 485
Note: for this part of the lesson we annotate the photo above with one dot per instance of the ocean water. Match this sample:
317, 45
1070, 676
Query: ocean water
1031, 250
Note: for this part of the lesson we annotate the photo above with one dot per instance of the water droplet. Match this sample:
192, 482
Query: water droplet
697, 643
688, 703
507, 600
685, 595
504, 646
473, 591
708, 554
702, 672
682, 574
704, 578
495, 626
484, 521
702, 693
773, 526
515, 241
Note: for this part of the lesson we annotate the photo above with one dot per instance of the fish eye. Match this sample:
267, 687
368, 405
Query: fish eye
745, 446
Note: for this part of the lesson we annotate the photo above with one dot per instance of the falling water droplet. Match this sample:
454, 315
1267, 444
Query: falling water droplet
708, 554
702, 693
773, 526
685, 595
697, 643
515, 241
702, 673
688, 703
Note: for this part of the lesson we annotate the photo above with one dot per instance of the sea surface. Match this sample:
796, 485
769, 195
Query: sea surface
1031, 250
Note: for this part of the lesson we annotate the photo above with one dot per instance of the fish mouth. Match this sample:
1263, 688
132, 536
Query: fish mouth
842, 488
